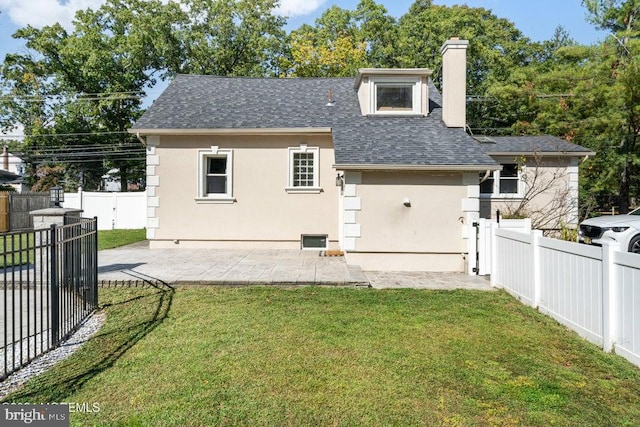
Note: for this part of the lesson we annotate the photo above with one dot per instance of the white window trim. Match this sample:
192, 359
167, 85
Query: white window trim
415, 82
227, 197
290, 188
495, 194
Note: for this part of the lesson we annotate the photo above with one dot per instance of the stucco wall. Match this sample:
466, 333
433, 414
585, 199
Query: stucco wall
263, 215
427, 235
551, 184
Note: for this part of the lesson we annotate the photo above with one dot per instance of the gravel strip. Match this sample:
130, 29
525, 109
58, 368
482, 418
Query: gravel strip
87, 329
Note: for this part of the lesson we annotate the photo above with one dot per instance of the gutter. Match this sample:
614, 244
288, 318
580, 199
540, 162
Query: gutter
543, 153
438, 168
234, 131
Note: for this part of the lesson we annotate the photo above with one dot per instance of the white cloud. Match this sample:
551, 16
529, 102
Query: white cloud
292, 8
39, 13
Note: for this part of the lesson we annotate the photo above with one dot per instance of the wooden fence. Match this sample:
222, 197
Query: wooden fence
15, 208
4, 212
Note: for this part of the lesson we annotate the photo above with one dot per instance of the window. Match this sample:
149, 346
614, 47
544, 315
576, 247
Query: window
313, 241
396, 95
504, 183
509, 179
216, 181
215, 175
303, 170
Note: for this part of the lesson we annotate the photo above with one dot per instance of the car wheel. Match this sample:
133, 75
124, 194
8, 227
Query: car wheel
634, 245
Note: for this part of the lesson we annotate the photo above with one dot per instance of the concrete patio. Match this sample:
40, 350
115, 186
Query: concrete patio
137, 264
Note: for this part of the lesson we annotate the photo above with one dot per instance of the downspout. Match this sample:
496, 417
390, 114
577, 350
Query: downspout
486, 176
141, 139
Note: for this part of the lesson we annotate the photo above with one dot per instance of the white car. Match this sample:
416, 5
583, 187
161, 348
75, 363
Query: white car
624, 229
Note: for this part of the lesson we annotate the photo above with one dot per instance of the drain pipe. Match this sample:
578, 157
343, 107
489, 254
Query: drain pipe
141, 139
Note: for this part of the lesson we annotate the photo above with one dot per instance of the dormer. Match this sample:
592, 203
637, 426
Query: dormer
393, 91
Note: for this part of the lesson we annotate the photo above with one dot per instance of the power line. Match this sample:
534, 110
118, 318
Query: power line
54, 135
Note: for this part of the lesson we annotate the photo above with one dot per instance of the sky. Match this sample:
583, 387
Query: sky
537, 19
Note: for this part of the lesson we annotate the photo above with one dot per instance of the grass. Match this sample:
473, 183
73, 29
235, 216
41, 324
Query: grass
108, 239
335, 356
14, 247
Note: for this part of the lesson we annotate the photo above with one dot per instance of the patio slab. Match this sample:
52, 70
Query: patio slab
137, 264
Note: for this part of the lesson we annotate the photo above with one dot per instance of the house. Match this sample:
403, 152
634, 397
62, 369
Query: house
12, 170
379, 166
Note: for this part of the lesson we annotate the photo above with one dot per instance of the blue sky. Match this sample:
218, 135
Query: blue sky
537, 19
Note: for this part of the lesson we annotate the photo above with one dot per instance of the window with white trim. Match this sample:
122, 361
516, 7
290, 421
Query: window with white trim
395, 96
504, 183
303, 169
215, 174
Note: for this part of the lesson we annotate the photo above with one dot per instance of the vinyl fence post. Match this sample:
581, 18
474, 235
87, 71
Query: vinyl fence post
536, 235
494, 254
609, 297
55, 296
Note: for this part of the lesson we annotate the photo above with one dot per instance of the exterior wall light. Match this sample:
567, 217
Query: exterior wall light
406, 202
56, 194
340, 181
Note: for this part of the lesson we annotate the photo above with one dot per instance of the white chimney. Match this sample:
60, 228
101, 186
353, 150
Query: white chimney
454, 82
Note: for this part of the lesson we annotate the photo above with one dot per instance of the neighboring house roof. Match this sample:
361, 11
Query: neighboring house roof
523, 145
7, 177
193, 102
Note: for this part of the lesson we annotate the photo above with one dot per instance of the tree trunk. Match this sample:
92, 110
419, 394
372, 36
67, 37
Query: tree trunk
623, 200
124, 178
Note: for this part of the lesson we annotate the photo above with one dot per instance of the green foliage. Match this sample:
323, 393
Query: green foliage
569, 234
588, 95
330, 356
496, 47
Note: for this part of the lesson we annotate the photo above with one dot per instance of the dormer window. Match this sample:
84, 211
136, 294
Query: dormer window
389, 91
396, 95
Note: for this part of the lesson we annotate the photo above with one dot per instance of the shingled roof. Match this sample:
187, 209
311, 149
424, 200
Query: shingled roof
542, 144
197, 102
210, 102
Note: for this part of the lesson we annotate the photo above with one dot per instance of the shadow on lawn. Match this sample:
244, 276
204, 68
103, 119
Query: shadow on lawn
145, 312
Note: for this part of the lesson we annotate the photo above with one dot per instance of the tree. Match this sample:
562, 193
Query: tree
496, 47
341, 41
76, 93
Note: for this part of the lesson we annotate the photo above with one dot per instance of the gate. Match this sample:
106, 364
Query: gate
50, 285
482, 236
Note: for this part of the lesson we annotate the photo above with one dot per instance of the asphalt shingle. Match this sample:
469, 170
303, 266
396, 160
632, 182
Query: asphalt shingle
210, 102
530, 144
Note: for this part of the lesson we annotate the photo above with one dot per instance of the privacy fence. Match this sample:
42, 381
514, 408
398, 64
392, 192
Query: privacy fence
114, 210
15, 208
593, 290
50, 286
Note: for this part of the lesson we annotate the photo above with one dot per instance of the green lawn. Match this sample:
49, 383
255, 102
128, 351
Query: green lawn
108, 239
336, 356
13, 249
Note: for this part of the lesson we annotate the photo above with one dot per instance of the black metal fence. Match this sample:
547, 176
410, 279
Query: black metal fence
50, 281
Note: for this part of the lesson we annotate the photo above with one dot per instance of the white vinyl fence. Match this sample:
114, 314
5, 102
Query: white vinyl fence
593, 290
114, 210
